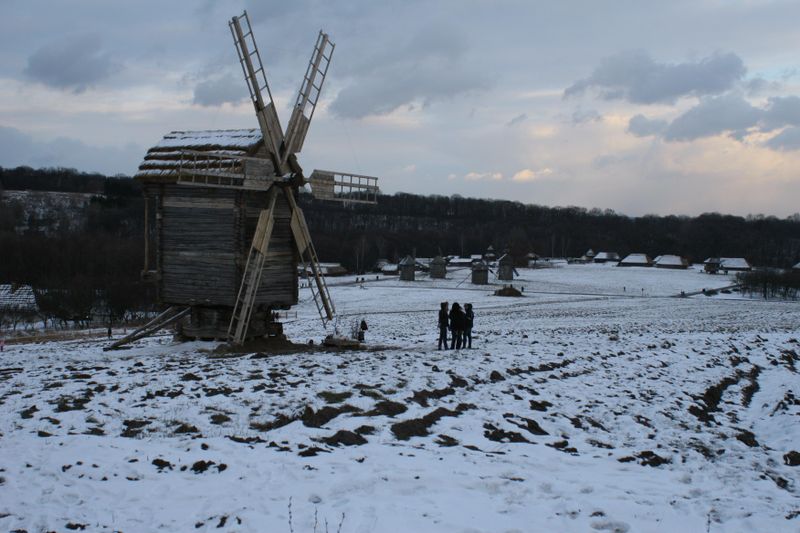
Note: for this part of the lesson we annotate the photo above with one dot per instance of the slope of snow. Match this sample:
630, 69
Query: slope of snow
581, 407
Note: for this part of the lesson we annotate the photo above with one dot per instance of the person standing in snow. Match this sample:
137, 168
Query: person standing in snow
469, 317
457, 320
443, 324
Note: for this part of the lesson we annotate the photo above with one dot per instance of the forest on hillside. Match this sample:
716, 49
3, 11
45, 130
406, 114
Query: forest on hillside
100, 251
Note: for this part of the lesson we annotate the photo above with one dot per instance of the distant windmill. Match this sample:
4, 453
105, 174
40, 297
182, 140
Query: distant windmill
220, 206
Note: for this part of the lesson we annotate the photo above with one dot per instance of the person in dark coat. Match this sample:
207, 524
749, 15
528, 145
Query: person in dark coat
457, 321
469, 317
444, 323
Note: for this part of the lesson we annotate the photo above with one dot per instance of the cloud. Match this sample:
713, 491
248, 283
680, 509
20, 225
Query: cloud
18, 148
781, 111
641, 126
217, 91
475, 176
788, 139
713, 116
527, 174
75, 62
634, 76
430, 67
581, 116
519, 119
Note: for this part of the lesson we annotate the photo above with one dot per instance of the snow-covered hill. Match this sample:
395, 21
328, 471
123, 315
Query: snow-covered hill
597, 402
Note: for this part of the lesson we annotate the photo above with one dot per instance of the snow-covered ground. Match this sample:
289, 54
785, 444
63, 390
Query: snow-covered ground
589, 404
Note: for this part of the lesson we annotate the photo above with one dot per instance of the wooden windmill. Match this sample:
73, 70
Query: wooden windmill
224, 234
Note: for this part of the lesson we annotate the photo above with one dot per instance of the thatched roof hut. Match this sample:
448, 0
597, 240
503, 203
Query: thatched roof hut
641, 260
407, 268
480, 273
672, 261
438, 267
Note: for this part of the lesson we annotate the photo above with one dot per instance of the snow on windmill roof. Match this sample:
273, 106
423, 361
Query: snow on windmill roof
672, 261
164, 158
245, 139
18, 298
636, 259
407, 260
797, 266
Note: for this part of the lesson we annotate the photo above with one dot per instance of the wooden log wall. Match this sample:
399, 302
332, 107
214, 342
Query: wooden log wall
204, 239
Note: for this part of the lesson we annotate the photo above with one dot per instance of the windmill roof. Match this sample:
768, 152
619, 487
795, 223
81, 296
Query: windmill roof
245, 139
408, 260
797, 266
163, 159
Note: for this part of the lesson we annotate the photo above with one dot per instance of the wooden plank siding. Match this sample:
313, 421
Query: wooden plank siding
203, 240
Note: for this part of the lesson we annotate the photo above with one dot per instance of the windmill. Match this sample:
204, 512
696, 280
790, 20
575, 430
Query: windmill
224, 234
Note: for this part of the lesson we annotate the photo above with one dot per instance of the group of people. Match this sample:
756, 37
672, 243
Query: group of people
459, 322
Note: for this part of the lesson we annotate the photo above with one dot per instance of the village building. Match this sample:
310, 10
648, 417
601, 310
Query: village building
672, 261
588, 257
480, 273
711, 265
438, 267
489, 256
17, 305
390, 269
505, 267
640, 260
407, 268
606, 257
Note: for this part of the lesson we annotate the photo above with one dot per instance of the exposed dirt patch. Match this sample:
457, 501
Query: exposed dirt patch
344, 438
712, 397
792, 458
646, 458
747, 438
446, 441
386, 408
334, 397
315, 419
540, 406
219, 418
418, 427
496, 434
162, 464
532, 426
28, 413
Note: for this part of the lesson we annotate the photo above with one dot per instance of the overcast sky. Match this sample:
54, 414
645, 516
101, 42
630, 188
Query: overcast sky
678, 107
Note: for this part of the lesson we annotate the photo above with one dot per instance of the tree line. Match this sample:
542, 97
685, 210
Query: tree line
100, 258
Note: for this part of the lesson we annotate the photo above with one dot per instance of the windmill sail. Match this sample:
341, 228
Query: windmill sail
256, 78
308, 95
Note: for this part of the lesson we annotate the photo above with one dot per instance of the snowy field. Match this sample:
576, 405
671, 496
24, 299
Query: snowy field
596, 402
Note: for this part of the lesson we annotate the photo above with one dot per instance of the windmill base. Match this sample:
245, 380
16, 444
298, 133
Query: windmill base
211, 324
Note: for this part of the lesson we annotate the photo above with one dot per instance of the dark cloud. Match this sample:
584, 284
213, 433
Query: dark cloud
519, 119
634, 76
75, 63
729, 115
781, 111
713, 116
18, 148
218, 91
430, 67
788, 139
641, 126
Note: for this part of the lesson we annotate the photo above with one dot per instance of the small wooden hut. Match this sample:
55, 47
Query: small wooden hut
438, 268
480, 273
407, 268
606, 257
711, 265
505, 267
